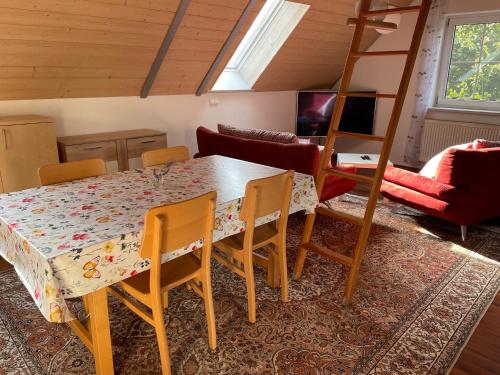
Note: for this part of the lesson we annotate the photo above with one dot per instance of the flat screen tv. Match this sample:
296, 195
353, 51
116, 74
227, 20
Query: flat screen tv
315, 108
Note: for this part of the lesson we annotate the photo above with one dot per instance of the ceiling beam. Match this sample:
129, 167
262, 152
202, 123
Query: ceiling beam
229, 41
165, 45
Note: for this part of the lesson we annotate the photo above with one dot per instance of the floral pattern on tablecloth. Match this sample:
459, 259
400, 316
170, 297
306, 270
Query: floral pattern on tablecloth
71, 239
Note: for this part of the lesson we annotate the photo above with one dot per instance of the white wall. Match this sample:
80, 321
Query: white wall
178, 115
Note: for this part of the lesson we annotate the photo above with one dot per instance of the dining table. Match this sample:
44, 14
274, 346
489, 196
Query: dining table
75, 239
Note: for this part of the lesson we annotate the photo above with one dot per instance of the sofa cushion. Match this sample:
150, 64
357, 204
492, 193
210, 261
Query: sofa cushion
473, 170
479, 144
303, 158
259, 134
427, 186
430, 168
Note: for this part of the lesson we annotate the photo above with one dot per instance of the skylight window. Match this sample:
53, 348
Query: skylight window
269, 31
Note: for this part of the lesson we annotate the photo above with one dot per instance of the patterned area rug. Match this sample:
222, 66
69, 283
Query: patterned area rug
421, 293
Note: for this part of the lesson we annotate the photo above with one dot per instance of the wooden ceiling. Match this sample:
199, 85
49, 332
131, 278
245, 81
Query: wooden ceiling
97, 48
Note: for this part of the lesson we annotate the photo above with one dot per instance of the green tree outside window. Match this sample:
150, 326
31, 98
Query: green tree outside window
474, 69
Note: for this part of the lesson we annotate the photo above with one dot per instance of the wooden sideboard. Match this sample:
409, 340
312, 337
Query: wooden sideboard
26, 144
120, 146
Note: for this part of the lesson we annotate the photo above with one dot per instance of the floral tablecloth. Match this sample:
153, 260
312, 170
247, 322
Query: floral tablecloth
71, 239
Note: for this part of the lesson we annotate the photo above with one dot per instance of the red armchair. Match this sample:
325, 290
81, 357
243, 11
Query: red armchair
466, 188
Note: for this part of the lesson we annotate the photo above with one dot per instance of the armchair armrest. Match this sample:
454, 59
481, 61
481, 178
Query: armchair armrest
425, 185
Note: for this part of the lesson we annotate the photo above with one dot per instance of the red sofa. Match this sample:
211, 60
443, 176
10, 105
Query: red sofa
303, 158
466, 188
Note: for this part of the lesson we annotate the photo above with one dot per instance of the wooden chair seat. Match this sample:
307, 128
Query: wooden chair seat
173, 273
262, 236
262, 197
166, 229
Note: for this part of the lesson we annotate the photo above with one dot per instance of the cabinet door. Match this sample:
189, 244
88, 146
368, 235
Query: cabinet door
24, 149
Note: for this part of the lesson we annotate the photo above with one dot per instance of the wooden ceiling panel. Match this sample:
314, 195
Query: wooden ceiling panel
81, 48
95, 9
77, 48
184, 50
13, 16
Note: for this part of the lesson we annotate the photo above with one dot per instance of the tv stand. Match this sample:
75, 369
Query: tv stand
320, 141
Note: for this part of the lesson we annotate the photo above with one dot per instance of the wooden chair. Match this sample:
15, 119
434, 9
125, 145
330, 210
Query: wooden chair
75, 170
168, 228
164, 155
262, 197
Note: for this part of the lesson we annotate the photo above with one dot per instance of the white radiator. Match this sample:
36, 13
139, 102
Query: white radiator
438, 135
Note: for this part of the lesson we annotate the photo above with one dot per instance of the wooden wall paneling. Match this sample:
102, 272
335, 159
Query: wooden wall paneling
91, 48
13, 16
165, 45
100, 9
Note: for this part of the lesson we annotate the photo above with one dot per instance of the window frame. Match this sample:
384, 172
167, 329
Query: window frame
254, 37
451, 21
270, 30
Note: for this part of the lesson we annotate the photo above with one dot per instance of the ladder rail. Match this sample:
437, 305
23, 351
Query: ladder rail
343, 87
333, 133
386, 148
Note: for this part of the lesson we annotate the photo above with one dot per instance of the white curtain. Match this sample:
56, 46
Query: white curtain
427, 68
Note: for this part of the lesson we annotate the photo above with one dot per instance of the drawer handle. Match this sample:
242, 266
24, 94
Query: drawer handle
144, 142
4, 131
93, 148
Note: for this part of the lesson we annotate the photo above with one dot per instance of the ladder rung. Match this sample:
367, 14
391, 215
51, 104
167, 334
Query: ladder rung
367, 95
367, 137
372, 24
350, 176
321, 250
383, 12
380, 53
339, 215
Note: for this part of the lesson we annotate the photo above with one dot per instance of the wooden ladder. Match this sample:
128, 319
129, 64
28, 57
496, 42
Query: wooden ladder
363, 21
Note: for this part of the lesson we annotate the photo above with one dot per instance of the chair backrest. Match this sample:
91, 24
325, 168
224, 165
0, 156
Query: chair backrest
164, 155
173, 226
75, 170
265, 196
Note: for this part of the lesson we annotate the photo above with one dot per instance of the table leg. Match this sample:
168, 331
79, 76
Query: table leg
97, 304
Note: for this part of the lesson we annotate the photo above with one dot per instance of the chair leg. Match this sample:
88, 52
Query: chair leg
283, 269
161, 336
463, 230
165, 299
272, 269
302, 253
248, 268
209, 310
